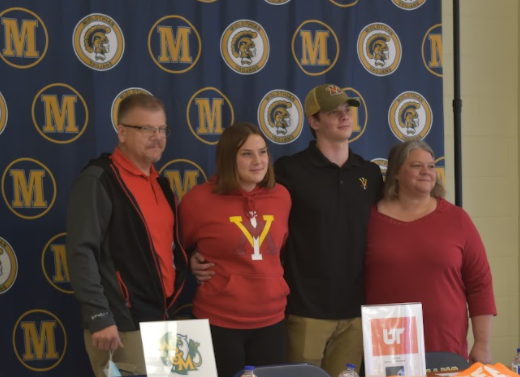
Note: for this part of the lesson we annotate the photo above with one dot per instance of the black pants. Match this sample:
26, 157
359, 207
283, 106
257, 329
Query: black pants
236, 348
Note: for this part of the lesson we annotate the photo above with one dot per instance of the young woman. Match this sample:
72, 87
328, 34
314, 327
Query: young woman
237, 223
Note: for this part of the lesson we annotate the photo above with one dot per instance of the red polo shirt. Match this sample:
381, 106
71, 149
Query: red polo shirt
156, 210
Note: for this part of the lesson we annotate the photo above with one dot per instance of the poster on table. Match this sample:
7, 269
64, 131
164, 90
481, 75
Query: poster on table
173, 348
393, 338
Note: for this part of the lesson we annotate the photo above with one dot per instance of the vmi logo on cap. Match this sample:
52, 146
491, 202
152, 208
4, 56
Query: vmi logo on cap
334, 90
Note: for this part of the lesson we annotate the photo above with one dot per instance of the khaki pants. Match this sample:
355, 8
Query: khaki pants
329, 344
128, 359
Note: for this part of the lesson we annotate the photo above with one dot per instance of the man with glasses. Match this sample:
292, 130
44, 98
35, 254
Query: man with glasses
125, 261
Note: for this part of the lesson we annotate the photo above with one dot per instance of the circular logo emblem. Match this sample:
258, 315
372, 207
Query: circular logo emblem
277, 2
440, 168
313, 49
121, 96
3, 113
359, 114
174, 44
39, 340
8, 266
344, 3
280, 116
25, 36
59, 113
28, 188
244, 46
183, 175
410, 116
54, 263
409, 4
207, 113
432, 50
383, 165
379, 49
98, 42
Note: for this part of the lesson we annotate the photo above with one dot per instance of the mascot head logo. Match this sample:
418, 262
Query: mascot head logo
379, 49
8, 266
280, 116
179, 353
245, 47
410, 116
98, 42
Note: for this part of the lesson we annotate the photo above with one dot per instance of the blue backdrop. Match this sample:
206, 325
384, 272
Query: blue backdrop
66, 65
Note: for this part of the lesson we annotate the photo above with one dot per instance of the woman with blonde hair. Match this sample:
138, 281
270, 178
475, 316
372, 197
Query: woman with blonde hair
423, 249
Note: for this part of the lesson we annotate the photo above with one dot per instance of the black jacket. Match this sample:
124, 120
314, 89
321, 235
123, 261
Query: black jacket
113, 266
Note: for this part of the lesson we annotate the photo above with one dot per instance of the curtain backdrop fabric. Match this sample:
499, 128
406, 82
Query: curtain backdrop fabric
66, 65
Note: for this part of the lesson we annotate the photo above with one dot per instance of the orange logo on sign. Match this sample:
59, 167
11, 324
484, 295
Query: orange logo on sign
394, 336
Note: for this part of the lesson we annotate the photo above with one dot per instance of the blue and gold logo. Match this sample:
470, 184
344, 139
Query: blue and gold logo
25, 38
344, 3
383, 165
280, 116
208, 113
410, 116
121, 96
277, 2
379, 49
98, 42
54, 263
359, 114
179, 353
408, 4
8, 266
28, 188
244, 46
432, 50
60, 114
440, 168
39, 340
315, 47
174, 44
3, 113
183, 175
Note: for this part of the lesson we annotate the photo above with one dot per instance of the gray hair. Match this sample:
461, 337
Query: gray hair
396, 158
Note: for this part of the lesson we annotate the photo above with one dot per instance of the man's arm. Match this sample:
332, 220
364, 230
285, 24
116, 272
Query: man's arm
481, 351
88, 216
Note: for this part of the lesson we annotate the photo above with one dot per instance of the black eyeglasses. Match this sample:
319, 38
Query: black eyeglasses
150, 130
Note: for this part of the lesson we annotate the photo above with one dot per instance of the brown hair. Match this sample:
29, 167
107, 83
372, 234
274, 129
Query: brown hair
228, 146
396, 158
143, 100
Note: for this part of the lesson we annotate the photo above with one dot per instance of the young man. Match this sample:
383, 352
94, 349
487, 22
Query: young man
126, 264
332, 190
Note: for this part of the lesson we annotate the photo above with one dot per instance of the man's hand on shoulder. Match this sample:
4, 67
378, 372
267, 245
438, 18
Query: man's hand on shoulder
107, 339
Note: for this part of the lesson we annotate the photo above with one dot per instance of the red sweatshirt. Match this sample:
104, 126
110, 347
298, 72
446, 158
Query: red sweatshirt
248, 289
